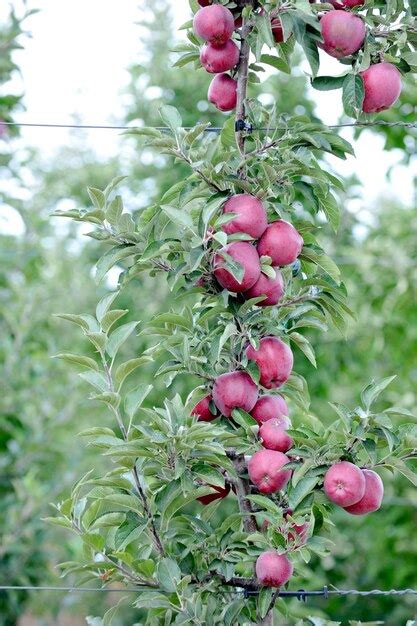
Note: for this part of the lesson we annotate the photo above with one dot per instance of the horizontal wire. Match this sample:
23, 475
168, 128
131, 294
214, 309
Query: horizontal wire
300, 594
210, 129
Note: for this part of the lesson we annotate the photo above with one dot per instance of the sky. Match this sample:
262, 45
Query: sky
74, 66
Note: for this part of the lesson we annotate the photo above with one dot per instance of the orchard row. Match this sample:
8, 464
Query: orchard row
343, 34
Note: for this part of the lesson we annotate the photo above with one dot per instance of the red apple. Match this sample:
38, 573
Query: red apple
214, 23
282, 242
271, 288
202, 410
243, 253
346, 4
343, 33
250, 215
223, 92
277, 31
265, 470
274, 359
273, 569
219, 493
234, 390
274, 437
204, 3
218, 59
372, 498
382, 85
344, 484
271, 407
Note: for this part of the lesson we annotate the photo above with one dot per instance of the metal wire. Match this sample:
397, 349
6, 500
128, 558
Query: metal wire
210, 129
301, 594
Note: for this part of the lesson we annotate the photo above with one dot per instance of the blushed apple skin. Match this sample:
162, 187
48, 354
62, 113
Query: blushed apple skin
202, 410
344, 484
346, 4
277, 31
234, 390
274, 437
250, 215
275, 361
245, 254
219, 59
265, 470
343, 33
373, 496
272, 288
382, 85
214, 23
222, 92
273, 569
282, 242
271, 407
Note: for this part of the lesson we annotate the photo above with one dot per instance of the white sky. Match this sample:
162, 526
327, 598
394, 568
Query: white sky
75, 64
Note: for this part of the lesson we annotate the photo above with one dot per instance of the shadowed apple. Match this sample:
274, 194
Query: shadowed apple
271, 407
372, 498
234, 390
271, 288
222, 92
202, 410
243, 253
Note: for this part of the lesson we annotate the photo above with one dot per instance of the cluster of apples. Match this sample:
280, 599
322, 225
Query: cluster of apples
343, 34
358, 491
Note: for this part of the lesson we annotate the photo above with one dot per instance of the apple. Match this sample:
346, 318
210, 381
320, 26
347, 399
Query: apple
282, 242
222, 92
277, 31
243, 253
274, 437
265, 470
382, 86
344, 484
298, 532
214, 23
219, 494
273, 569
204, 3
218, 59
274, 359
346, 4
271, 407
343, 33
202, 410
250, 215
372, 498
234, 390
271, 288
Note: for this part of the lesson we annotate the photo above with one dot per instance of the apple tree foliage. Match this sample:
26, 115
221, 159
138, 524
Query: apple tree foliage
140, 522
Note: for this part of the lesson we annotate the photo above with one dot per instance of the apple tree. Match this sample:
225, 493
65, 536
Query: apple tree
214, 502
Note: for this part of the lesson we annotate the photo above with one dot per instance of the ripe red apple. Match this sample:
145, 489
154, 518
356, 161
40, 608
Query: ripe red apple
274, 359
277, 31
346, 4
274, 437
202, 410
344, 484
343, 33
250, 215
382, 85
219, 493
204, 3
282, 242
214, 23
272, 288
218, 59
271, 407
273, 569
372, 498
265, 470
234, 390
223, 92
245, 254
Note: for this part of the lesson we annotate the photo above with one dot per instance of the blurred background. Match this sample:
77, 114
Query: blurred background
98, 63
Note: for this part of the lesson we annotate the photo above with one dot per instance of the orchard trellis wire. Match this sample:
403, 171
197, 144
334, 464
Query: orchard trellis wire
209, 129
300, 594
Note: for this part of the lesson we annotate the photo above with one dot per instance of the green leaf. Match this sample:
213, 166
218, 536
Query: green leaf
104, 304
95, 379
276, 62
303, 488
400, 466
178, 216
77, 359
171, 117
114, 210
353, 94
119, 336
305, 346
128, 367
97, 197
168, 574
135, 398
327, 83
113, 256
374, 390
